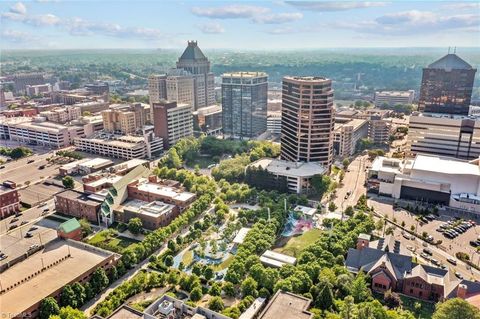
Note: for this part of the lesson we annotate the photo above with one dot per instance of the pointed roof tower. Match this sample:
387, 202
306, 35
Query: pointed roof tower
449, 62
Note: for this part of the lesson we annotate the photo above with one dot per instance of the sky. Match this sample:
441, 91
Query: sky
244, 25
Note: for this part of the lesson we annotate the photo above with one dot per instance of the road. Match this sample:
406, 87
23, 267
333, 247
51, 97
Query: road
20, 171
30, 216
353, 182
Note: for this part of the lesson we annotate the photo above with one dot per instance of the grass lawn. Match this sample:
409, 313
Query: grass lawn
296, 244
113, 243
224, 264
187, 258
202, 161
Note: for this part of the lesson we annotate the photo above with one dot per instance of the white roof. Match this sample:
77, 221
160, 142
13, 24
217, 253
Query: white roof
384, 164
310, 211
254, 308
240, 237
96, 162
444, 165
165, 191
279, 257
286, 168
271, 262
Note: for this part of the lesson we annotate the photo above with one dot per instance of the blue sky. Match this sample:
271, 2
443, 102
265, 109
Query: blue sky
258, 25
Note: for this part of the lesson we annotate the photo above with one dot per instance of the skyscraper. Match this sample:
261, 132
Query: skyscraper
447, 86
157, 87
172, 121
195, 62
307, 120
244, 104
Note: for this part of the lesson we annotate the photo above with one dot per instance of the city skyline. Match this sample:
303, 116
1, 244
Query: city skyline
242, 25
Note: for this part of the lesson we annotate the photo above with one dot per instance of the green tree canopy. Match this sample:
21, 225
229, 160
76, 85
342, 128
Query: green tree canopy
456, 308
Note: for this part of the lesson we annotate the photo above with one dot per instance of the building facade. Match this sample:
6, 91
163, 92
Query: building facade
244, 104
307, 120
77, 204
208, 120
9, 199
454, 136
347, 134
157, 87
172, 121
196, 63
447, 86
392, 98
181, 89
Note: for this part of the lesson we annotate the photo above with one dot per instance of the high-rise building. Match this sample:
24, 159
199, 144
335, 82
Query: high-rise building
181, 88
195, 62
172, 121
124, 119
244, 103
307, 120
447, 86
157, 88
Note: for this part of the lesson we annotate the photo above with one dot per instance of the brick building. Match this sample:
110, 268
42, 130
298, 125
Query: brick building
77, 204
9, 199
71, 229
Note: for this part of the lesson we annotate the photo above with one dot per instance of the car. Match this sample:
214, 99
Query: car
46, 210
435, 262
443, 226
443, 266
14, 220
33, 228
429, 238
2, 257
12, 226
425, 256
24, 222
349, 193
423, 219
428, 217
2, 167
440, 230
30, 161
427, 251
346, 197
411, 248
448, 235
219, 275
28, 235
42, 204
18, 214
424, 244
41, 167
34, 246
458, 275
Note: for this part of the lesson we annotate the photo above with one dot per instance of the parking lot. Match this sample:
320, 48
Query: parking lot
448, 247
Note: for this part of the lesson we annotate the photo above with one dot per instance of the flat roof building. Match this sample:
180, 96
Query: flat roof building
77, 204
153, 215
392, 98
287, 305
172, 121
277, 260
297, 174
347, 134
84, 166
44, 274
433, 179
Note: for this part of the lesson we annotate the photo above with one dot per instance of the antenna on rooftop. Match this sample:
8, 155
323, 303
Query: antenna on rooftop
448, 50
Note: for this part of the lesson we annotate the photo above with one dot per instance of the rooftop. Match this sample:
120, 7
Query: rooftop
244, 74
310, 211
153, 209
396, 93
192, 52
449, 62
61, 271
287, 305
308, 79
165, 191
69, 226
286, 168
71, 194
125, 312
445, 165
240, 237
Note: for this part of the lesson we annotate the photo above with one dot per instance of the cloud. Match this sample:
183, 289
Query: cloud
461, 5
79, 26
326, 6
278, 18
413, 22
15, 36
230, 12
18, 8
255, 13
211, 28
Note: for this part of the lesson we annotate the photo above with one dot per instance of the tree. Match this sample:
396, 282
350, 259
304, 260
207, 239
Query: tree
48, 307
229, 289
454, 309
68, 182
135, 225
321, 183
86, 227
68, 298
349, 211
392, 299
332, 207
345, 163
216, 304
69, 313
359, 288
208, 272
324, 299
215, 290
348, 309
99, 280
173, 159
249, 287
196, 294
168, 261
80, 294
